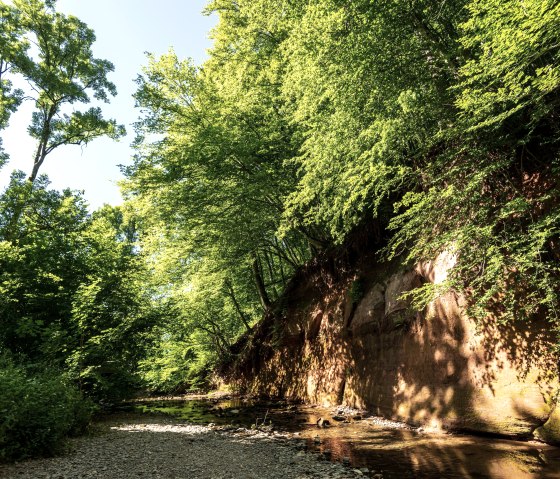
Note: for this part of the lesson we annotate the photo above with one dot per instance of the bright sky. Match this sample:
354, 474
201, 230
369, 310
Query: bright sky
125, 29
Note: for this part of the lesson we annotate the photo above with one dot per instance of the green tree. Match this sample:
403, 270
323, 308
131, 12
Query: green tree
368, 84
40, 272
210, 191
64, 73
61, 72
218, 176
111, 309
492, 195
437, 120
73, 289
512, 74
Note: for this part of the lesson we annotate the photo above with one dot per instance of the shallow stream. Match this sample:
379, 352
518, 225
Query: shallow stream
383, 447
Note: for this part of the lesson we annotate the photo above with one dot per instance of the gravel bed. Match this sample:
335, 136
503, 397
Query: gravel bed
161, 448
379, 421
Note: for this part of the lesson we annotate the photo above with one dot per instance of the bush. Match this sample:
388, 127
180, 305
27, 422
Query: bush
37, 412
173, 367
106, 384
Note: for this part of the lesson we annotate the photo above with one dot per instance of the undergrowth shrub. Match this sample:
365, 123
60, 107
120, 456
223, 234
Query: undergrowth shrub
173, 368
37, 412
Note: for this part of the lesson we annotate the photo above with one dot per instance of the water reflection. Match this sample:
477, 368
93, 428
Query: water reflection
393, 452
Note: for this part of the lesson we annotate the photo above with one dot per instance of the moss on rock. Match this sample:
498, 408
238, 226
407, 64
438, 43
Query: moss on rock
549, 432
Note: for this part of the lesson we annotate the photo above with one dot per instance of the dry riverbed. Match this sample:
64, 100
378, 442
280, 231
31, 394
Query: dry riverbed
145, 446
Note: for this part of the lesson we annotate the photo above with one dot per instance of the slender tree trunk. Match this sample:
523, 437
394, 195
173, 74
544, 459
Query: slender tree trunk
216, 334
281, 266
237, 306
269, 263
35, 171
42, 150
259, 283
292, 252
40, 155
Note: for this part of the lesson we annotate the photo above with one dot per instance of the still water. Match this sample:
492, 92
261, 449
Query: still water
392, 449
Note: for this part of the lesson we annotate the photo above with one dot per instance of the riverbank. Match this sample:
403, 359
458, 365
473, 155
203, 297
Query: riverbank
223, 437
127, 446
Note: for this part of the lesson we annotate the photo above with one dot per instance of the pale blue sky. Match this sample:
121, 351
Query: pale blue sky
125, 29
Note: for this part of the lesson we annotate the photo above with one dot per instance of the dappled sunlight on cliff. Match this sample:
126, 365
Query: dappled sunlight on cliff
347, 336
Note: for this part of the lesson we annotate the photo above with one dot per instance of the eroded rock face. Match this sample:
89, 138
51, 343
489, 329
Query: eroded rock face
397, 285
437, 271
439, 368
369, 312
550, 431
445, 372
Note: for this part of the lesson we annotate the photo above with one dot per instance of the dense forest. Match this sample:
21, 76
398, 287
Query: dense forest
436, 122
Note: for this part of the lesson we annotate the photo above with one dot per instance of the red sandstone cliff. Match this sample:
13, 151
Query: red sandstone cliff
342, 334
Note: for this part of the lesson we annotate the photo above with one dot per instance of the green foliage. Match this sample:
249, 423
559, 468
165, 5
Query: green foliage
38, 412
492, 196
12, 49
110, 310
356, 291
40, 272
439, 119
512, 72
72, 284
369, 88
165, 370
73, 289
209, 194
176, 364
